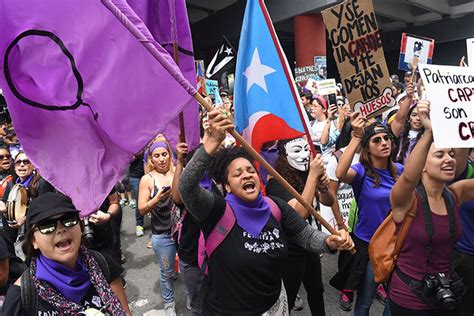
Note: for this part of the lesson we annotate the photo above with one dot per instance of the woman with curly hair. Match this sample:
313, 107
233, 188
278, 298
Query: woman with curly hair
371, 179
310, 180
250, 285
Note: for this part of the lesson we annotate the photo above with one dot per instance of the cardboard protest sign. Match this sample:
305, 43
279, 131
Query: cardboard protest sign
302, 74
451, 92
212, 87
470, 51
415, 46
358, 52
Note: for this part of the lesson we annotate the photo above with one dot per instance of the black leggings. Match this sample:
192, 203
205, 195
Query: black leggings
306, 269
398, 310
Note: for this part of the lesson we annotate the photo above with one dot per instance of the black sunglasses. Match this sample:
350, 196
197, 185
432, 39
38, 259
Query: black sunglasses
5, 157
20, 161
378, 139
49, 225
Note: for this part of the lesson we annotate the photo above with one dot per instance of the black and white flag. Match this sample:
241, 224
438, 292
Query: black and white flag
221, 60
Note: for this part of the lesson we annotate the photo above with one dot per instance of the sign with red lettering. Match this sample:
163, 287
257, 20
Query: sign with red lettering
451, 92
358, 52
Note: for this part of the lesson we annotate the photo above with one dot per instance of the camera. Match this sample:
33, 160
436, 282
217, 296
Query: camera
442, 291
88, 230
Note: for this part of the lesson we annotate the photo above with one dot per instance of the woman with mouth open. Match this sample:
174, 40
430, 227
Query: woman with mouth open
244, 271
64, 277
428, 169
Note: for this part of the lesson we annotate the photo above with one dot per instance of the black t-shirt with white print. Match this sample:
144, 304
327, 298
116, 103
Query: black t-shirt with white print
245, 272
13, 305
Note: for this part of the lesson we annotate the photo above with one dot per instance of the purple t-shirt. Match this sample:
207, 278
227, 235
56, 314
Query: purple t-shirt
411, 260
373, 203
466, 243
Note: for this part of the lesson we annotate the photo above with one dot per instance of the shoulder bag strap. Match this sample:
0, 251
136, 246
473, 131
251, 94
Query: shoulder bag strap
405, 227
29, 296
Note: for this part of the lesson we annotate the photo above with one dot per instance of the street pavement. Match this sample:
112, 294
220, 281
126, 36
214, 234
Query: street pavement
143, 277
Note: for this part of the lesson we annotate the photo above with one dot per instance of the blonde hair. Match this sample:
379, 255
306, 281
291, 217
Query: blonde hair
149, 163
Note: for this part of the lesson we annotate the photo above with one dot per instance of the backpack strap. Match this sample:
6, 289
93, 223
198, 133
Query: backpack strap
220, 231
102, 262
29, 296
338, 153
409, 217
276, 212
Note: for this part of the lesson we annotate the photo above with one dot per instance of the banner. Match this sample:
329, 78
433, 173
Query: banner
312, 86
358, 51
411, 46
326, 87
451, 92
212, 87
302, 74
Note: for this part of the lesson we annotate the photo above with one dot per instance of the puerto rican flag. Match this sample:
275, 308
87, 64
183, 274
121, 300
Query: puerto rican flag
267, 104
200, 80
415, 46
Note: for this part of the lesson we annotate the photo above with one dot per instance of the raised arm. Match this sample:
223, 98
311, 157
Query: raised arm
402, 114
182, 150
343, 171
327, 127
198, 200
463, 190
402, 194
316, 169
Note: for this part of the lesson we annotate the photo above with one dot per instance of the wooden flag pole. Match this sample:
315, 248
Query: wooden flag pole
271, 171
414, 65
182, 133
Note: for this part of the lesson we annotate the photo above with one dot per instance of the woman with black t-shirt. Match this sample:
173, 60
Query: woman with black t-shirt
244, 271
309, 179
64, 277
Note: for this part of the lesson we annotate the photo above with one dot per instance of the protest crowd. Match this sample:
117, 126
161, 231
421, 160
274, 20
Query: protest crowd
242, 241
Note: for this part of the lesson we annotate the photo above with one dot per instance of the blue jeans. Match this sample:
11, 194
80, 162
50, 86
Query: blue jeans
366, 293
135, 183
165, 250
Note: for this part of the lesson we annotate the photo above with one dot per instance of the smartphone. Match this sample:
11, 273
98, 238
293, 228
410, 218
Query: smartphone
332, 99
165, 189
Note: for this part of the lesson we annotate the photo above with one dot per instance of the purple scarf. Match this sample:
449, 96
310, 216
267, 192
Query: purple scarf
251, 216
25, 182
73, 284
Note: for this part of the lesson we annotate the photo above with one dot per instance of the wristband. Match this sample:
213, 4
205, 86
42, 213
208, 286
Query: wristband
323, 190
110, 214
356, 136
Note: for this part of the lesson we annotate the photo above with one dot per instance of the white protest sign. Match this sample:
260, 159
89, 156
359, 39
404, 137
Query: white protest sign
451, 92
344, 198
470, 51
326, 87
312, 85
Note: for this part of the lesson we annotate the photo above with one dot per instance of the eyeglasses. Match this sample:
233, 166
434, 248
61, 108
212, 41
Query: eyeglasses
378, 139
49, 225
5, 157
22, 161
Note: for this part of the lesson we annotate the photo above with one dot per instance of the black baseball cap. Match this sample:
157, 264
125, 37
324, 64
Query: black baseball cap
371, 130
48, 205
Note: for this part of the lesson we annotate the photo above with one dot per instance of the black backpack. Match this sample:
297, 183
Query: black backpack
29, 296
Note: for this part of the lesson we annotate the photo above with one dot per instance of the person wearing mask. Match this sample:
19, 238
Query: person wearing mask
64, 277
310, 180
252, 284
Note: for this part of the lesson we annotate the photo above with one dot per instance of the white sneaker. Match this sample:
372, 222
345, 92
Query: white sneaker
170, 309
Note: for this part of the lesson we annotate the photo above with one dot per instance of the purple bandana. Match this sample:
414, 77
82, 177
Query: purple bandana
251, 216
25, 182
73, 284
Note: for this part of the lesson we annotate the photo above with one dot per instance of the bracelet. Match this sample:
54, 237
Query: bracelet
355, 135
110, 214
323, 190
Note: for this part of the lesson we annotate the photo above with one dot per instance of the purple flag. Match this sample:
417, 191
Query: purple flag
83, 93
168, 22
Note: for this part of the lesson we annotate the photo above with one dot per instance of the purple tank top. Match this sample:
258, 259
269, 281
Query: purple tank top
411, 260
